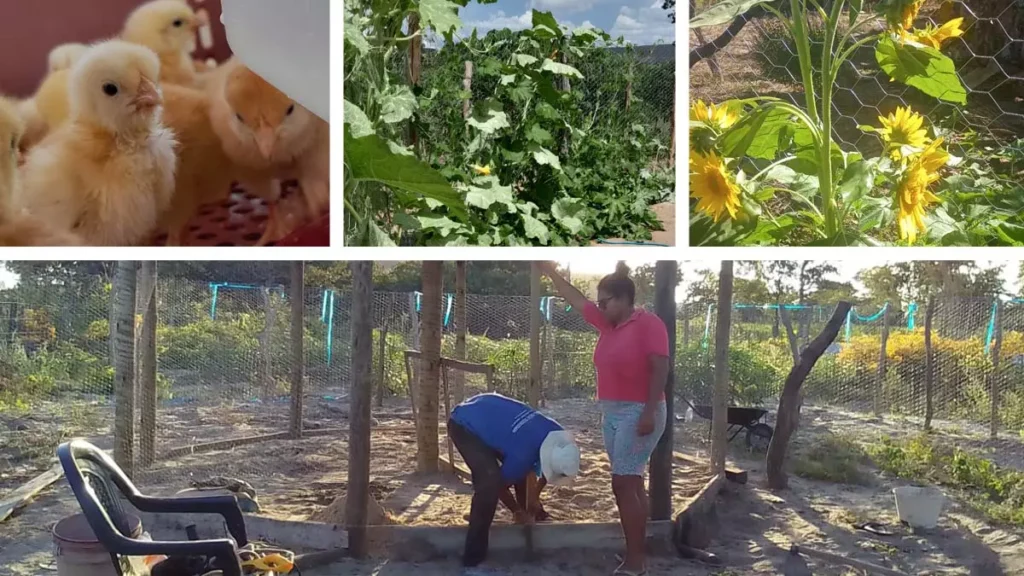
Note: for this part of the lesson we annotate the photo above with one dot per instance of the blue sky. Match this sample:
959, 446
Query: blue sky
641, 22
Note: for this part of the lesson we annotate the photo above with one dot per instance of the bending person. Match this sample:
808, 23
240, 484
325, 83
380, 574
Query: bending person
631, 359
506, 443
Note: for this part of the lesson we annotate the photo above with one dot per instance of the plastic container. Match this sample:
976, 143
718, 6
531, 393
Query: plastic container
287, 43
919, 507
79, 553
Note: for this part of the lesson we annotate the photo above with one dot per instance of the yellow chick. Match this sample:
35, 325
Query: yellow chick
169, 28
64, 56
262, 128
204, 172
108, 173
19, 229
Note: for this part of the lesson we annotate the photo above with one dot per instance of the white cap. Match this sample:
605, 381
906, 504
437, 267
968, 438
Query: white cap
559, 458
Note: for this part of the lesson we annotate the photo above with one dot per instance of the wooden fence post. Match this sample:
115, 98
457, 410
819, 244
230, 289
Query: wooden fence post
883, 359
929, 364
467, 87
147, 373
720, 403
533, 394
427, 393
994, 391
460, 322
124, 366
298, 356
358, 491
661, 460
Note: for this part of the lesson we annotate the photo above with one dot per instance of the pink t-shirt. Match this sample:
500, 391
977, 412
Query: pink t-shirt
622, 353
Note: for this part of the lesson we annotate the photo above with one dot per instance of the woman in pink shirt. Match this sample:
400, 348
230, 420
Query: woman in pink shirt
632, 360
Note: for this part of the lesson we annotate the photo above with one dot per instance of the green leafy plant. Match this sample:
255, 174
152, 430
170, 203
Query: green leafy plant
531, 164
764, 170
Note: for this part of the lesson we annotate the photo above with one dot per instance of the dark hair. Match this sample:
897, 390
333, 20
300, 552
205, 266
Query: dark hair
618, 284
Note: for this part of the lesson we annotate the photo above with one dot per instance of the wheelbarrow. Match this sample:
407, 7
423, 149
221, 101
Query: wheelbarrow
739, 418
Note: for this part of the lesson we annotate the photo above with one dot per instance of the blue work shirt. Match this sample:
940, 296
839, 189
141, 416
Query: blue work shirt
510, 427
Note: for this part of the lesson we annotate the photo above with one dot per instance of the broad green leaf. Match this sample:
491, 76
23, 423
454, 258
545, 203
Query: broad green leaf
723, 12
546, 20
566, 212
737, 140
378, 237
544, 156
856, 182
800, 184
488, 117
486, 191
922, 67
538, 135
536, 229
354, 37
357, 121
507, 79
525, 59
370, 160
763, 137
442, 224
489, 67
441, 15
399, 149
397, 105
559, 68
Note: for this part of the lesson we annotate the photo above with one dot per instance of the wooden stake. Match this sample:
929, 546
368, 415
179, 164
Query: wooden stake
460, 317
430, 368
298, 356
124, 367
358, 492
147, 373
719, 417
661, 460
533, 394
883, 359
382, 352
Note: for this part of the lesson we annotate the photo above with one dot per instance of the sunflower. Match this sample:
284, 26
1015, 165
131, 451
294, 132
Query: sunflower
716, 191
934, 37
912, 194
904, 127
718, 117
902, 13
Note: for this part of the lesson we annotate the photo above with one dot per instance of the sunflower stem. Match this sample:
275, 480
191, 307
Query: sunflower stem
828, 71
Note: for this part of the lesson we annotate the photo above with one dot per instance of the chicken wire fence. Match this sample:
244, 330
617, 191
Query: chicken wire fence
759, 58
976, 383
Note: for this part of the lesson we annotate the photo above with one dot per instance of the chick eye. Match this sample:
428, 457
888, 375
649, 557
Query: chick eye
290, 110
240, 119
179, 23
110, 89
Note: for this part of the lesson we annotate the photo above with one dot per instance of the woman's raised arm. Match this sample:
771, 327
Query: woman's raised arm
566, 290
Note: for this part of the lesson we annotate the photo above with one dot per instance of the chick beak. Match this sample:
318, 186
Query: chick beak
265, 139
147, 96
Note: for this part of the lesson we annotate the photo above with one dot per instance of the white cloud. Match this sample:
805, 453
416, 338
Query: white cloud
500, 20
562, 5
644, 26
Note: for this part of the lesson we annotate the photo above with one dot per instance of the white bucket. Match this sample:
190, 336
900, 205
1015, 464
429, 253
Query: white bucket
919, 507
286, 43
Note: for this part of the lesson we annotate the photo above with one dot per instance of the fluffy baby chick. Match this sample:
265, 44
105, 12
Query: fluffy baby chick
19, 229
64, 56
168, 27
262, 128
205, 172
108, 173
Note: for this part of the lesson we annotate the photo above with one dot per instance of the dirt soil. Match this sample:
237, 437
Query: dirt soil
297, 479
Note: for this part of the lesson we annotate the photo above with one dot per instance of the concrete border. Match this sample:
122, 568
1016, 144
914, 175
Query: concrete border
691, 528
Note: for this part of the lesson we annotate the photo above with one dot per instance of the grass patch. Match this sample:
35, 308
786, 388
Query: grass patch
995, 493
832, 458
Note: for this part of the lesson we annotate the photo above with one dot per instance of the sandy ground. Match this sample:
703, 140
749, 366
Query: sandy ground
754, 527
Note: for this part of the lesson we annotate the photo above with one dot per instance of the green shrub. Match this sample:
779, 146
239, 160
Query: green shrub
832, 458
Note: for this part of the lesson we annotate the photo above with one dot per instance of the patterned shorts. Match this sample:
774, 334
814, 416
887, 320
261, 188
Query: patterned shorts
629, 452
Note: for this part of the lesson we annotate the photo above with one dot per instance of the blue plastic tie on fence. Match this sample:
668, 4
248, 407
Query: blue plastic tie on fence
911, 310
991, 328
448, 310
323, 306
707, 326
849, 318
871, 318
213, 301
330, 330
418, 296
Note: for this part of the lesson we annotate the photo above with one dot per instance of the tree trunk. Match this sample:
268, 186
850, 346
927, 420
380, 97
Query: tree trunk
147, 374
358, 492
298, 356
460, 329
794, 346
929, 364
124, 366
994, 386
412, 373
789, 414
720, 404
883, 359
534, 392
430, 368
661, 460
